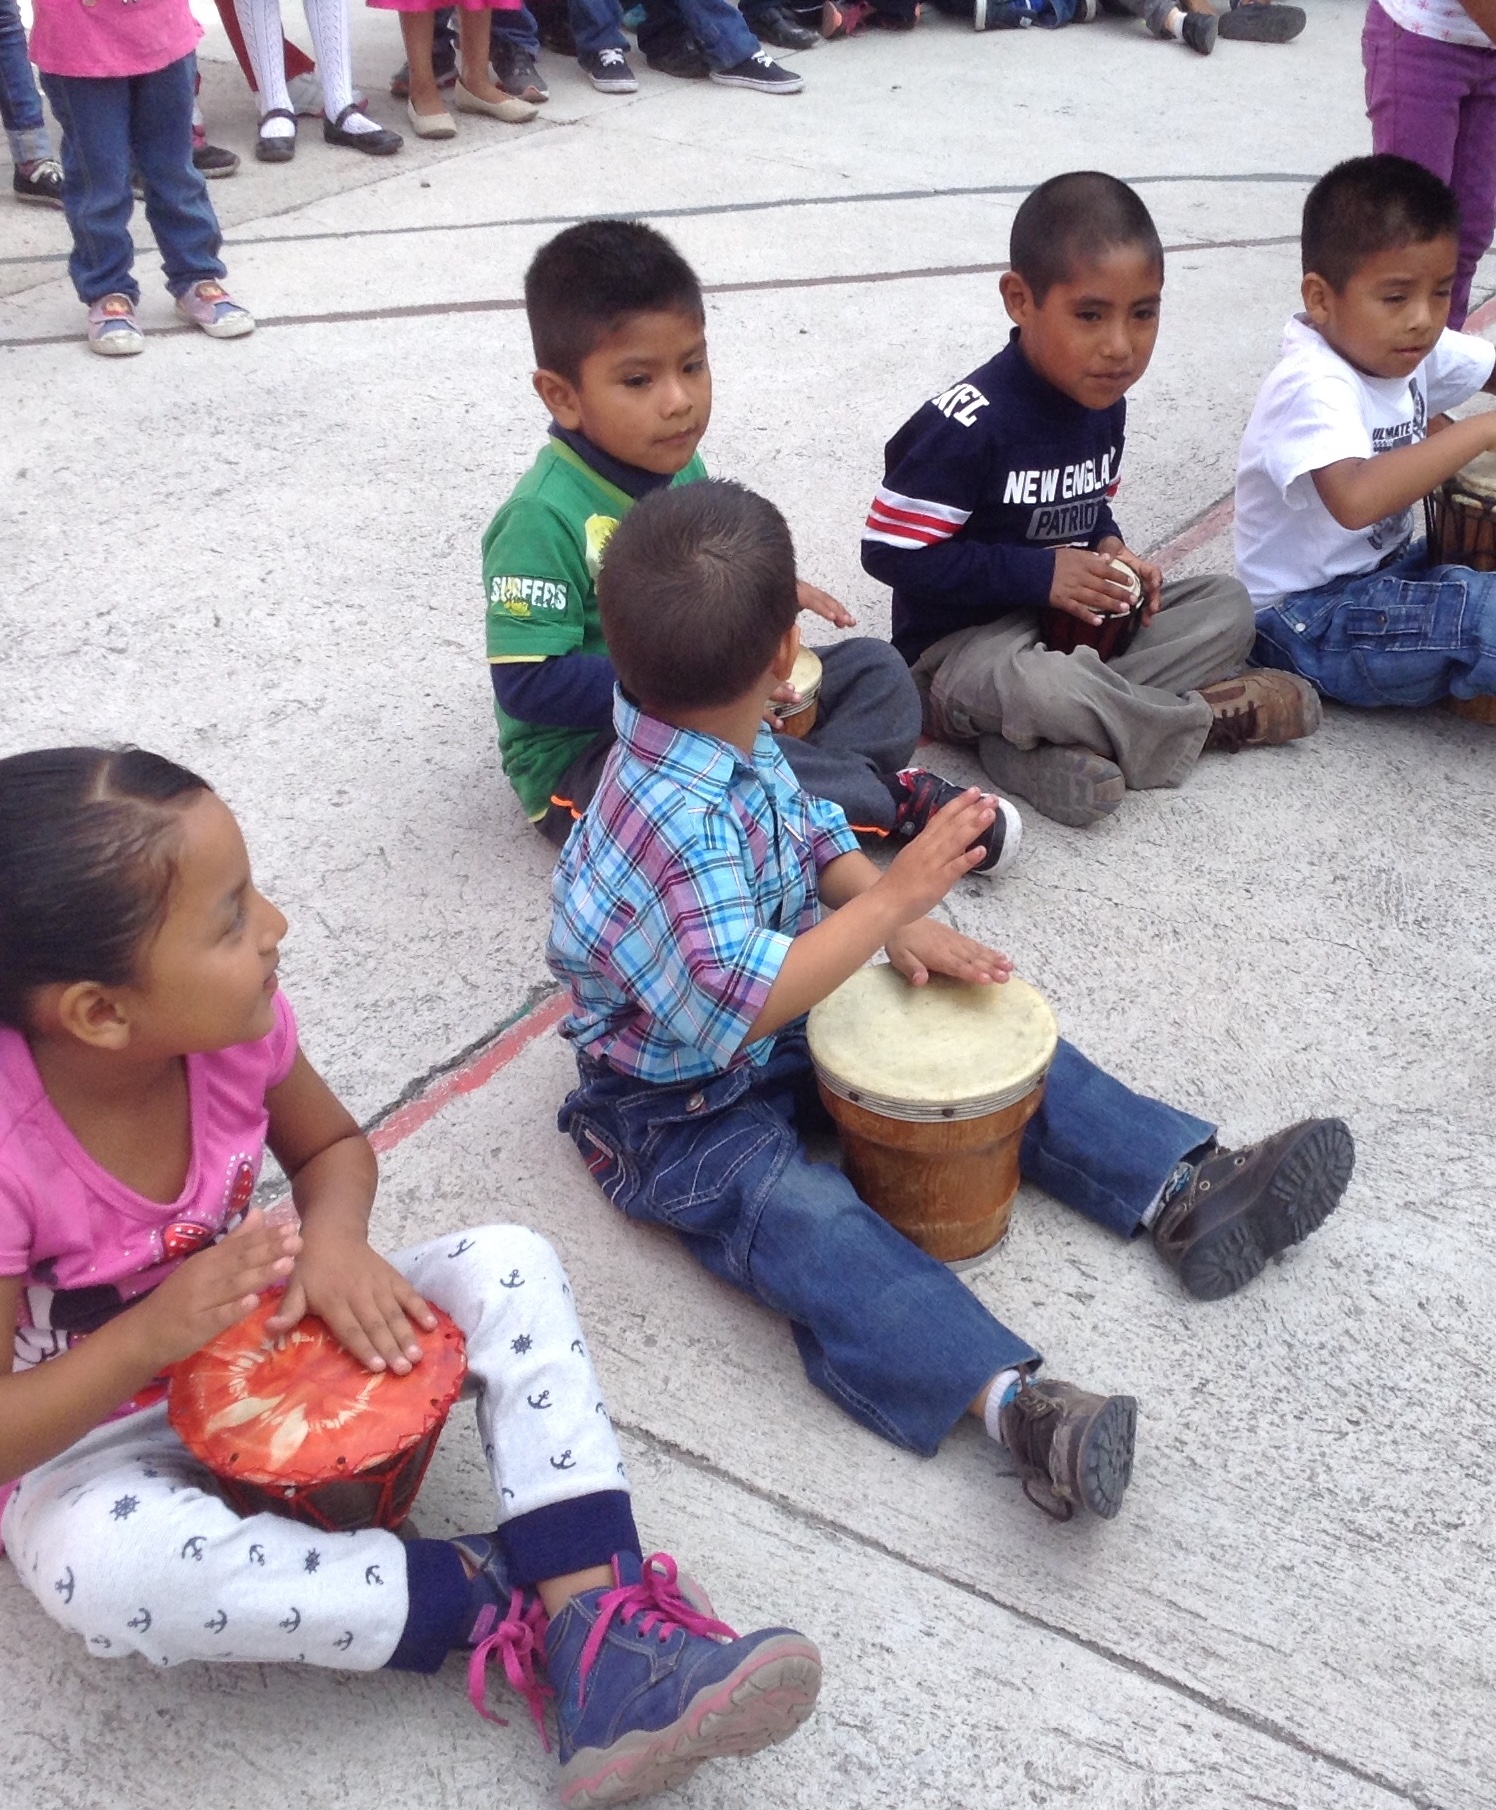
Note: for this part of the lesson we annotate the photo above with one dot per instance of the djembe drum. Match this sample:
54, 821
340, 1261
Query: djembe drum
1461, 520
930, 1088
296, 1426
799, 719
1111, 636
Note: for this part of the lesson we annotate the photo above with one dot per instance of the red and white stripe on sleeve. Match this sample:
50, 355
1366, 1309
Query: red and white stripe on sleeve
907, 521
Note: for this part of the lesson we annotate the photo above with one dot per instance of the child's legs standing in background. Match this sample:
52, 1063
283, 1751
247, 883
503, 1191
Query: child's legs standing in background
1436, 104
176, 195
94, 115
20, 104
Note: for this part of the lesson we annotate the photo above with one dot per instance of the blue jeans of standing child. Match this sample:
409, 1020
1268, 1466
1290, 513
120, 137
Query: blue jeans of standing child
716, 25
20, 104
1410, 633
888, 1333
108, 124
595, 24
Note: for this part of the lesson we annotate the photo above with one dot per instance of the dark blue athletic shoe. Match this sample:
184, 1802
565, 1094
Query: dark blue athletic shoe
648, 1686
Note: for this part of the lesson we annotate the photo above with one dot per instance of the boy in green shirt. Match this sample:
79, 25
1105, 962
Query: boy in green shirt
619, 330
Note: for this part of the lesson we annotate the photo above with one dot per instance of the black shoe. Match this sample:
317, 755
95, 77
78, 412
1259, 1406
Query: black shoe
773, 25
1199, 32
1241, 1207
924, 793
609, 72
41, 185
276, 150
760, 72
1259, 23
444, 65
516, 73
214, 161
684, 57
381, 142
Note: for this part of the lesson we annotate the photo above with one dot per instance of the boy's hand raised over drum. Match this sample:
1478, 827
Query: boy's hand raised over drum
928, 947
925, 870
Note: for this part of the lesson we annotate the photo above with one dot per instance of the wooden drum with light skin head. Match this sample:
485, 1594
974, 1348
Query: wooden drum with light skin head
1112, 635
294, 1426
1461, 521
800, 718
930, 1088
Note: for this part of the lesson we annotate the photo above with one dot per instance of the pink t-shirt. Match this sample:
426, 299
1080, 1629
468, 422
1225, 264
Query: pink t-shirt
111, 37
87, 1245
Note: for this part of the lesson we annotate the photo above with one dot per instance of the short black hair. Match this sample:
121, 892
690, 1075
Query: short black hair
1073, 221
1368, 205
585, 282
88, 843
696, 591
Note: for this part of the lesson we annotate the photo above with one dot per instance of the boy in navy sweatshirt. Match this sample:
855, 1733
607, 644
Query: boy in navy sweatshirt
996, 501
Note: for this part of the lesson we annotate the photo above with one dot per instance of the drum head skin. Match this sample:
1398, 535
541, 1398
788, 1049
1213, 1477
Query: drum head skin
298, 1410
944, 1050
805, 676
1478, 478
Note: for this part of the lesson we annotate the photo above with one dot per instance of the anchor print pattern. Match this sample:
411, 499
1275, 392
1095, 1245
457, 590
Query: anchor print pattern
543, 1400
521, 1345
124, 1508
465, 1245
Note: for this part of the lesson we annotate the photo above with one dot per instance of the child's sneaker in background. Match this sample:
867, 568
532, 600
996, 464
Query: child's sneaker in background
113, 330
923, 793
210, 306
647, 1687
39, 183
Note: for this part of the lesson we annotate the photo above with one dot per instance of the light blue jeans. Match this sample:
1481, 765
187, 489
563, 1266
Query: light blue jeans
892, 1336
20, 104
1410, 634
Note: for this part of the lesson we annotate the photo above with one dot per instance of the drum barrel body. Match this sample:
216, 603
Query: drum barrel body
380, 1496
1113, 635
946, 1184
1461, 527
800, 722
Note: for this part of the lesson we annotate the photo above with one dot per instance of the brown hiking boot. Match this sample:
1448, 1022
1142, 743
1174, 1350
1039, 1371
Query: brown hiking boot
1243, 1206
1073, 1449
1261, 708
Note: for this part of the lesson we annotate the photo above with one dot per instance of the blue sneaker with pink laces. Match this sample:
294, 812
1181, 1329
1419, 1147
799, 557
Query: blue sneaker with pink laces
647, 1685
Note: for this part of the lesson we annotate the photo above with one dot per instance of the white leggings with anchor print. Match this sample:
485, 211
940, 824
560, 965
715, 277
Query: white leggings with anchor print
125, 1539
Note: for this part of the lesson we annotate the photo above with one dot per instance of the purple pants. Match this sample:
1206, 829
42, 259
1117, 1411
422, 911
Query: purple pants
1436, 103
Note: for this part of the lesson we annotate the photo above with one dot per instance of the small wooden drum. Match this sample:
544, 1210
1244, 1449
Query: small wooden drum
295, 1426
930, 1088
1461, 520
799, 719
1111, 636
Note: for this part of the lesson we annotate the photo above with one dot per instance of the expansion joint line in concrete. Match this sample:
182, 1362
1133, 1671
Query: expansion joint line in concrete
817, 1522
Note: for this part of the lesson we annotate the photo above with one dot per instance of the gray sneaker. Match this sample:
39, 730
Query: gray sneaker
1071, 785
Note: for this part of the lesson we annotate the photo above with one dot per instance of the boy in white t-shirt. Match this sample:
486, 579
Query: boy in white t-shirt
1348, 435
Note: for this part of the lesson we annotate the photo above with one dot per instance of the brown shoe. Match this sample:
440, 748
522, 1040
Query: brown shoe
1074, 1446
1261, 708
1243, 1206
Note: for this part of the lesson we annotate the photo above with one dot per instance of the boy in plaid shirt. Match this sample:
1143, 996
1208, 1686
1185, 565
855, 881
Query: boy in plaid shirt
688, 923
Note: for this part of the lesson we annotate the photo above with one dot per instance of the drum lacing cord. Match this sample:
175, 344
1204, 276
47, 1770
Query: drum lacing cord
519, 1641
657, 1601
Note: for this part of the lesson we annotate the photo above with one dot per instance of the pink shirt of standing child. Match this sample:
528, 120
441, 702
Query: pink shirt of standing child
105, 38
86, 1245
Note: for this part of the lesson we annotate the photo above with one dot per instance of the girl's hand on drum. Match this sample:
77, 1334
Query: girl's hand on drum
366, 1303
215, 1289
928, 947
925, 870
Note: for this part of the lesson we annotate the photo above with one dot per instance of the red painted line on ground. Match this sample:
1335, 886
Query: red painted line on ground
1482, 317
1216, 520
476, 1072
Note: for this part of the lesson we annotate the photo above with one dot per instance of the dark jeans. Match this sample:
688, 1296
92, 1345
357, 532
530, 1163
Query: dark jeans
716, 25
595, 24
884, 1330
866, 726
20, 104
108, 125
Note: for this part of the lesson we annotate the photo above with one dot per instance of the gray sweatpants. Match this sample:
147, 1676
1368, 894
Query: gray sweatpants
1142, 710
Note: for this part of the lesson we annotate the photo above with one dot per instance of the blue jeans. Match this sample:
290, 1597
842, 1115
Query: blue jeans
595, 24
1411, 633
20, 104
717, 26
888, 1333
106, 124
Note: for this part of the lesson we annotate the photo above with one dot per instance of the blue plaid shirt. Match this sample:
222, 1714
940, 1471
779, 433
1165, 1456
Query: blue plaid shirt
675, 900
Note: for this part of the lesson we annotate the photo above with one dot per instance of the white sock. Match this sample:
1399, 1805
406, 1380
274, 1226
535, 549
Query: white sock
1004, 1386
327, 20
1174, 24
259, 20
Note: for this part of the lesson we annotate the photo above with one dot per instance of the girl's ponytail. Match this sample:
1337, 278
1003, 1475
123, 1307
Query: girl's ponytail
87, 845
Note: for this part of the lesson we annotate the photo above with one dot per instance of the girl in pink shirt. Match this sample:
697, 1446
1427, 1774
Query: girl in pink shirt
121, 76
147, 1059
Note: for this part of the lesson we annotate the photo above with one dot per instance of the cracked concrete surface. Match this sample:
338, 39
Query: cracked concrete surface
261, 557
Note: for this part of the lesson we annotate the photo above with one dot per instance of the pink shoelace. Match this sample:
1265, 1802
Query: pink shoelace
657, 1600
519, 1642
